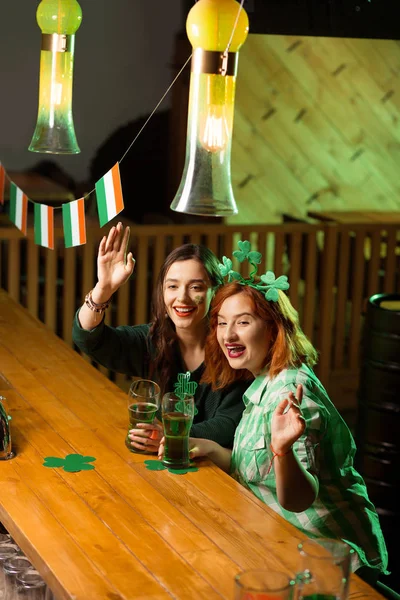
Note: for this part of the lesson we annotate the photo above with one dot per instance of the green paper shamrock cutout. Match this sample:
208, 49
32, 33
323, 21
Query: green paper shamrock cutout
183, 471
72, 463
156, 465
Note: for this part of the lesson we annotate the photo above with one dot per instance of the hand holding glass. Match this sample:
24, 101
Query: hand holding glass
177, 417
143, 403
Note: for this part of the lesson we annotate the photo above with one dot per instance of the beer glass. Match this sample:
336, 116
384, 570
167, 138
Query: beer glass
177, 418
143, 403
30, 585
324, 569
13, 567
263, 584
6, 551
5, 538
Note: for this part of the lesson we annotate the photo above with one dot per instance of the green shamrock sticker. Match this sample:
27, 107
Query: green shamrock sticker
156, 465
72, 463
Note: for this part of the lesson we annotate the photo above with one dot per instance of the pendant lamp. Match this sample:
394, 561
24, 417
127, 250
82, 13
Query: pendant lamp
55, 132
216, 29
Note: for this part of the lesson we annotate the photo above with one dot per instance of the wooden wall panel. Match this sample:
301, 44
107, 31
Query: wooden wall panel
316, 126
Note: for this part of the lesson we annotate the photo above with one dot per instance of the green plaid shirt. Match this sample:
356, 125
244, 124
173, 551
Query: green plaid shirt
342, 509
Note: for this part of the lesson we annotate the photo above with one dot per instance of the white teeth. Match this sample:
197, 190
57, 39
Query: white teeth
184, 310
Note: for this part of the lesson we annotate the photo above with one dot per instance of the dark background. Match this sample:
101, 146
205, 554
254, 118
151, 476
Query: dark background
333, 18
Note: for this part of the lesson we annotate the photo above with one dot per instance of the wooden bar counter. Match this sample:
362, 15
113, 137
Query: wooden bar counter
119, 531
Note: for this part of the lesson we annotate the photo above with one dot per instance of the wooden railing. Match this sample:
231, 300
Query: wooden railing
332, 269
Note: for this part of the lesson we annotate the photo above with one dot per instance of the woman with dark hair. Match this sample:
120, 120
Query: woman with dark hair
172, 343
292, 449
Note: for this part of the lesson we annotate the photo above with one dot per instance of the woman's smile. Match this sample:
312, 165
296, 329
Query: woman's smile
187, 294
235, 350
184, 311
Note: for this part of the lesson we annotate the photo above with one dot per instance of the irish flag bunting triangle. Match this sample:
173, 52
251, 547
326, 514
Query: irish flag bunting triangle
44, 225
73, 214
18, 207
109, 195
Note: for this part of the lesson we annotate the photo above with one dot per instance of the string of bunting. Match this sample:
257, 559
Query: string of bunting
108, 191
109, 197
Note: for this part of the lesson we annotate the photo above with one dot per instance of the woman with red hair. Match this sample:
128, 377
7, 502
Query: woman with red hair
292, 449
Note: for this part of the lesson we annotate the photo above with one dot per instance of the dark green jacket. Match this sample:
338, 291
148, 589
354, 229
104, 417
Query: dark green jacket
126, 350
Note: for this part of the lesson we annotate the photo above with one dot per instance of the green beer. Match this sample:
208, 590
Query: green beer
176, 430
139, 412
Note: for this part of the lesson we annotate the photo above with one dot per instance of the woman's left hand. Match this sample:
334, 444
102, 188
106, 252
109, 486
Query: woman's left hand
146, 436
288, 423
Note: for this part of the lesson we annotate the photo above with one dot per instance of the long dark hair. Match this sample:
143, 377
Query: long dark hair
162, 331
290, 347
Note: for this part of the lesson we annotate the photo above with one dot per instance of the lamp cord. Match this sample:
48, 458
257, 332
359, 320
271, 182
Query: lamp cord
154, 110
234, 26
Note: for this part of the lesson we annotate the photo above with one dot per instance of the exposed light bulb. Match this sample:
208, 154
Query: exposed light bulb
214, 134
55, 133
216, 29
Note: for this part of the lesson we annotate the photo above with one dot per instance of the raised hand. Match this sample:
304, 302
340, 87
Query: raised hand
114, 265
288, 423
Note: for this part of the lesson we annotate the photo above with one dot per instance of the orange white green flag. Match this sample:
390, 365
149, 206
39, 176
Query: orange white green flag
18, 207
73, 214
2, 183
43, 225
109, 195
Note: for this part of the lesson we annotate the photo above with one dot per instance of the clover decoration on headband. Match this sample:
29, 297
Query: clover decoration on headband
269, 285
184, 387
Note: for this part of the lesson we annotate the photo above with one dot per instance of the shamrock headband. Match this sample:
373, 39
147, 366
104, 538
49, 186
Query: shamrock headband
268, 285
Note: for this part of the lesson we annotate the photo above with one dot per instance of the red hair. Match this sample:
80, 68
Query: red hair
289, 348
